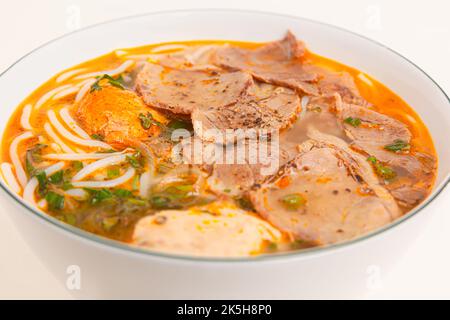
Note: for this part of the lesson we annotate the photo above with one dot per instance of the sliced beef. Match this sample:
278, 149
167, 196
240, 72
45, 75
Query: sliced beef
341, 83
234, 168
276, 62
264, 107
179, 91
373, 134
192, 58
327, 194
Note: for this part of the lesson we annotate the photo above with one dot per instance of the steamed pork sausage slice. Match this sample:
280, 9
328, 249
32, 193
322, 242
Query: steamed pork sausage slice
218, 230
114, 114
326, 195
277, 62
264, 107
179, 91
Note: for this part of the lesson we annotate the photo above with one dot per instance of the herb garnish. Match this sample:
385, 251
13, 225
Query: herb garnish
147, 121
355, 122
398, 145
293, 201
381, 170
117, 82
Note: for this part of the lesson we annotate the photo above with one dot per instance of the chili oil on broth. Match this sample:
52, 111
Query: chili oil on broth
103, 219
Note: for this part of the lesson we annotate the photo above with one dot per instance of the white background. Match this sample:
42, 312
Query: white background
419, 30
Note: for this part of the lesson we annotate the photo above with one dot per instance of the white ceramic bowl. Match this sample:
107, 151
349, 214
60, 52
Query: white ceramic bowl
113, 270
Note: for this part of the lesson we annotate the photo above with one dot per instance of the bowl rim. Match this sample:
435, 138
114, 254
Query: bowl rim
106, 243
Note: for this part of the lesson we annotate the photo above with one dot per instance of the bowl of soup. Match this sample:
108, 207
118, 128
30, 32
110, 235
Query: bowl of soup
220, 154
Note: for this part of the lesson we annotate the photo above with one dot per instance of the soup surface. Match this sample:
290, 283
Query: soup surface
219, 148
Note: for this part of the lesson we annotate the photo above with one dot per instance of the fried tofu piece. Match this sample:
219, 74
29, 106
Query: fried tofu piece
114, 114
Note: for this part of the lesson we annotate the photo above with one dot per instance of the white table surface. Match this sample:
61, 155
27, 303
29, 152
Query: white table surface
420, 30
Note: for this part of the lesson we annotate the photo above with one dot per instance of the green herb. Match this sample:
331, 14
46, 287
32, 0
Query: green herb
137, 201
43, 183
71, 219
122, 193
55, 201
135, 183
100, 195
117, 82
355, 122
33, 156
135, 160
96, 136
272, 246
179, 124
56, 178
77, 165
113, 172
184, 187
147, 121
293, 201
398, 145
381, 170
109, 222
245, 204
227, 190
67, 186
160, 202
95, 87
372, 160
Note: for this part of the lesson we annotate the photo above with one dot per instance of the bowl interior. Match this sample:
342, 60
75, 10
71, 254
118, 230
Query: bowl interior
400, 75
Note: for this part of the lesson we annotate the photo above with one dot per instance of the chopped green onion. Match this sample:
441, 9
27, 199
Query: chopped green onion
135, 160
109, 222
122, 193
398, 145
117, 82
293, 201
113, 172
55, 201
56, 178
96, 136
77, 165
355, 122
381, 170
160, 202
43, 183
100, 195
147, 121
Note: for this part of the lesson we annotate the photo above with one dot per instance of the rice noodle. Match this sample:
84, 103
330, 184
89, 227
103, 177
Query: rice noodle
84, 89
107, 183
78, 194
167, 47
65, 93
69, 74
18, 168
30, 188
144, 184
9, 177
78, 156
142, 56
52, 134
123, 67
49, 95
99, 164
71, 123
364, 78
69, 136
25, 118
